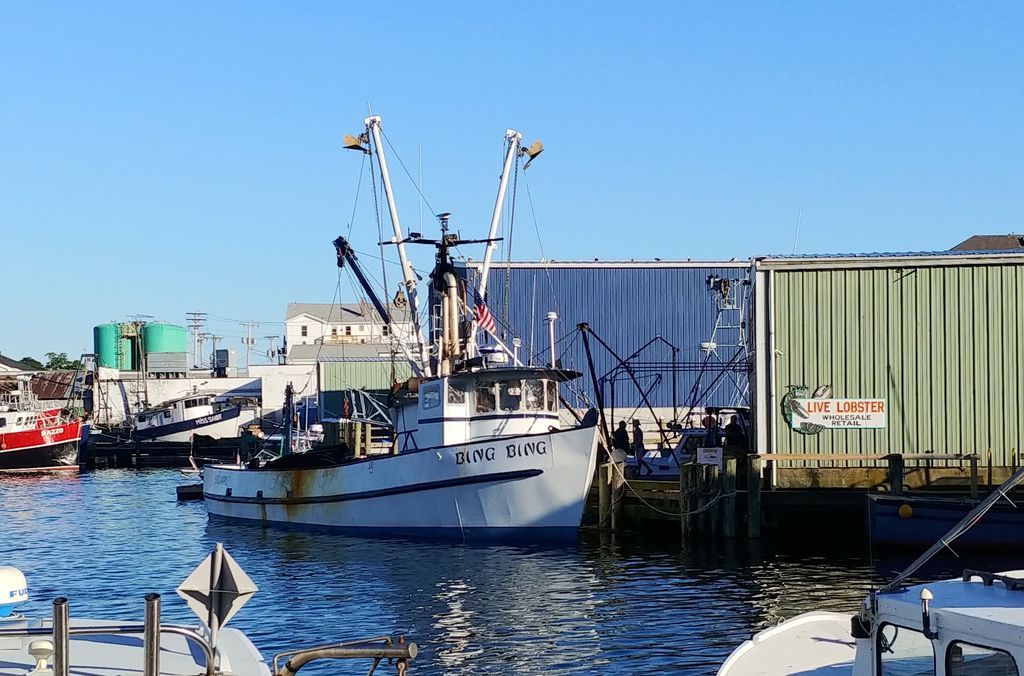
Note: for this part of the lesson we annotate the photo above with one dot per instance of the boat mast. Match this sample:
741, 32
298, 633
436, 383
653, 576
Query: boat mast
513, 138
373, 127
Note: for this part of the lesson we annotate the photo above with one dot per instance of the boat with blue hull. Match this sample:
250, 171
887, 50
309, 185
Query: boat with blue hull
181, 419
915, 521
480, 446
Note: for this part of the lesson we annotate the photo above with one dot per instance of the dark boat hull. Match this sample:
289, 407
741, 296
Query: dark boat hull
921, 521
43, 458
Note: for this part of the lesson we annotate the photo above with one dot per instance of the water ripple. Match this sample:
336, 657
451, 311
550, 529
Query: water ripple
106, 539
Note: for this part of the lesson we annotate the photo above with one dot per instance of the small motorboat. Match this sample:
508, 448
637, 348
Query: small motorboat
969, 625
216, 590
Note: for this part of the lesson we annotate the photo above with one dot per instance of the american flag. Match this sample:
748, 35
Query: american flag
481, 314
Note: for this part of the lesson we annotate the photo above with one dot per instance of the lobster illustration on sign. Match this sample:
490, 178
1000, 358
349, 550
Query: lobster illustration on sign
791, 408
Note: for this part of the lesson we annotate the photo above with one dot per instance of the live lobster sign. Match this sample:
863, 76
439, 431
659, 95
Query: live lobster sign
811, 415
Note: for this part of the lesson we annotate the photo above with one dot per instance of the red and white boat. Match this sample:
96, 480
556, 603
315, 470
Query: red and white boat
36, 438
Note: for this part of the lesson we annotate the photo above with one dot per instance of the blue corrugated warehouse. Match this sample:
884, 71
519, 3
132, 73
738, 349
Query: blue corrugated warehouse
628, 304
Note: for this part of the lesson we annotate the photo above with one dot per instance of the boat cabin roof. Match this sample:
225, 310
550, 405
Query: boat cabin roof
516, 372
992, 606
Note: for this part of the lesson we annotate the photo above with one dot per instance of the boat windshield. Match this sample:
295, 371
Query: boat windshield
484, 396
510, 393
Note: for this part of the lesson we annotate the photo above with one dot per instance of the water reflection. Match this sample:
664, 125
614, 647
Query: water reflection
603, 605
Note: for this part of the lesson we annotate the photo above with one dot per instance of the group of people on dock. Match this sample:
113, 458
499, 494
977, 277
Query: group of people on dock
732, 438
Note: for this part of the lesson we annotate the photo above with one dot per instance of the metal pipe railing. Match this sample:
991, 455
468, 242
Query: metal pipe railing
189, 634
151, 637
61, 638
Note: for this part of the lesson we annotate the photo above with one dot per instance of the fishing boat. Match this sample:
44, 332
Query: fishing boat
968, 625
35, 437
180, 419
480, 449
69, 646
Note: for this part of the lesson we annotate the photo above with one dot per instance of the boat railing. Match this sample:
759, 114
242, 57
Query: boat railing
60, 632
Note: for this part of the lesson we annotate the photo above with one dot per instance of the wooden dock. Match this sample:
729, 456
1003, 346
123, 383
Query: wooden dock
709, 501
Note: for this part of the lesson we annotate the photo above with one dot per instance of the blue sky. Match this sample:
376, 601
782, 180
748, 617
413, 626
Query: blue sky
157, 158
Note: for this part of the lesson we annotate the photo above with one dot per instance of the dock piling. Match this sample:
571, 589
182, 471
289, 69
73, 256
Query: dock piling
754, 497
729, 499
604, 496
896, 469
974, 475
618, 485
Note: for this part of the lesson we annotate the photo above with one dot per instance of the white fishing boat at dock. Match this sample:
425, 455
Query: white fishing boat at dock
479, 447
180, 419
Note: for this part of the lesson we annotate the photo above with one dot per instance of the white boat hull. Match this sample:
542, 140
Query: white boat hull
537, 483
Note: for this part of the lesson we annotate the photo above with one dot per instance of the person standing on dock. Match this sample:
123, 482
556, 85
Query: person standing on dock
713, 435
638, 439
620, 438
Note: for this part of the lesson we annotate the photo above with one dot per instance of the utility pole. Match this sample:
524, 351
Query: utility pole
249, 341
213, 350
272, 352
196, 322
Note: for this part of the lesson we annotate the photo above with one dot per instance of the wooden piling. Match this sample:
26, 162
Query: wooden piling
754, 497
896, 469
604, 496
729, 499
688, 499
618, 487
682, 504
974, 476
714, 488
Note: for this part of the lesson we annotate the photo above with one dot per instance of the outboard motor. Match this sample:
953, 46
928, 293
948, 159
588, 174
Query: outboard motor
13, 590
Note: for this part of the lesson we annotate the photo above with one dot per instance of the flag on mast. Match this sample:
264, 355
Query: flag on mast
481, 314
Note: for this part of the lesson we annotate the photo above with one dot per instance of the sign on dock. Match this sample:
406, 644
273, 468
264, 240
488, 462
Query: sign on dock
839, 413
710, 456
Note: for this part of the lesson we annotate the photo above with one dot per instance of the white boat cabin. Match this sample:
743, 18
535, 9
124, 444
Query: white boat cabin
962, 627
174, 411
481, 404
969, 626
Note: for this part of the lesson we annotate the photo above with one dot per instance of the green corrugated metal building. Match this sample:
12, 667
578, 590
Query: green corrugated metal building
939, 337
335, 375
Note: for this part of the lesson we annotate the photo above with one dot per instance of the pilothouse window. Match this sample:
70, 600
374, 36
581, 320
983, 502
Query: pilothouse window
484, 397
510, 392
534, 395
552, 395
904, 651
965, 659
430, 396
456, 395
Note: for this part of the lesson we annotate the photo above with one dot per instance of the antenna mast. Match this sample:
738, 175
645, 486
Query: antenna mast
513, 138
373, 127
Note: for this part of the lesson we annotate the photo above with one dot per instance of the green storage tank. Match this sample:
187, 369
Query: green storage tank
164, 338
104, 339
126, 354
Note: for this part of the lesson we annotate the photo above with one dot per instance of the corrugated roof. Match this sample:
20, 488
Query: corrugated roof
893, 254
656, 263
343, 313
339, 352
53, 384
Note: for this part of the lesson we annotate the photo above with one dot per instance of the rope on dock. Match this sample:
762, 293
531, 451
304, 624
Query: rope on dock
677, 515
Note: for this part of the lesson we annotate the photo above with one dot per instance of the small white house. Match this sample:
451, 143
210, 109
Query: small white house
345, 323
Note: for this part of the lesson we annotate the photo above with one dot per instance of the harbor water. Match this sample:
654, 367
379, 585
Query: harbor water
629, 606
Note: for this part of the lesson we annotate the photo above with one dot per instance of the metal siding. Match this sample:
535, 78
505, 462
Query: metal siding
941, 344
360, 375
625, 306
